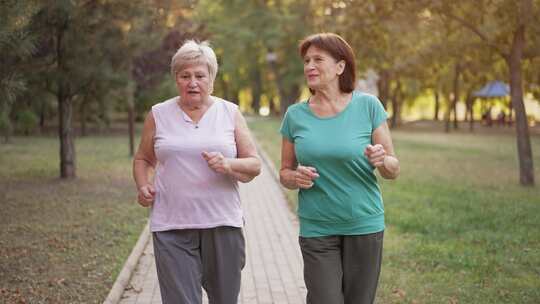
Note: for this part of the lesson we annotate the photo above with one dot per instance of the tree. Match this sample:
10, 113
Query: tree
16, 45
243, 43
503, 27
94, 70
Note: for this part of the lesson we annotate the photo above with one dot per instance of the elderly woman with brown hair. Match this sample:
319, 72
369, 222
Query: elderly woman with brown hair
199, 146
332, 143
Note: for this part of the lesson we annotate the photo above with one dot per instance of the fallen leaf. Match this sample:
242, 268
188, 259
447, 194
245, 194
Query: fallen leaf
399, 292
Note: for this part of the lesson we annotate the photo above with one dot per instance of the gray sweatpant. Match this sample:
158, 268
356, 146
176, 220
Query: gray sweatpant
342, 269
189, 259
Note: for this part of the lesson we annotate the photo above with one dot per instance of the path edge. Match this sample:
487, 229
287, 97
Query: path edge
267, 160
117, 290
275, 174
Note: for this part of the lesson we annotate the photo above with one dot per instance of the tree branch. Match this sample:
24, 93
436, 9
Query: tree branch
82, 87
475, 30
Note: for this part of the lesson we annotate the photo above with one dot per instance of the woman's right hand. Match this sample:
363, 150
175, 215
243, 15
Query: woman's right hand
304, 176
146, 195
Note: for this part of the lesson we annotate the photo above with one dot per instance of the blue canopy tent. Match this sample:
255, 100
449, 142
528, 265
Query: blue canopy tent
494, 89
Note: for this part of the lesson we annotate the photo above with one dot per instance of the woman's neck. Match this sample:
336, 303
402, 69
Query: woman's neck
195, 106
330, 95
329, 106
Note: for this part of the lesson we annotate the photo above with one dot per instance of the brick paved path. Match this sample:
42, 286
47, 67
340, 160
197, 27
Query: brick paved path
273, 271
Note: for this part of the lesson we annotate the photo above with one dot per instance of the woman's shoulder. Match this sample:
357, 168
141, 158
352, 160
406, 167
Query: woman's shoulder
225, 105
165, 104
365, 97
297, 107
367, 102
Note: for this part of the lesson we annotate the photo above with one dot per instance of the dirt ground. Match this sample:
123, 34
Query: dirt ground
64, 241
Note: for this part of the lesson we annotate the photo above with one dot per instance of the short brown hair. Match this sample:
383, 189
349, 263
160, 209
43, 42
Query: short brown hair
339, 49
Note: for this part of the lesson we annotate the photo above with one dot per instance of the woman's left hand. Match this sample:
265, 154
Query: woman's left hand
375, 155
217, 162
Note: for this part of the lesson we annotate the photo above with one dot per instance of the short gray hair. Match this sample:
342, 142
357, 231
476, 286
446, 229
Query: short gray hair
194, 52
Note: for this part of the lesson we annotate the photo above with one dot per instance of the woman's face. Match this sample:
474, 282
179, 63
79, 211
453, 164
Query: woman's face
321, 69
194, 84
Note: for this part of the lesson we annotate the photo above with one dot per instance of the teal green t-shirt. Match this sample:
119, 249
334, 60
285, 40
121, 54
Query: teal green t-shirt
345, 199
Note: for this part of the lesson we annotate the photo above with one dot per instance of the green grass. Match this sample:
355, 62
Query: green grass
65, 241
460, 228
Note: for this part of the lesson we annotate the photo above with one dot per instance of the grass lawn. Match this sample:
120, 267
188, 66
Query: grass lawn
65, 241
460, 229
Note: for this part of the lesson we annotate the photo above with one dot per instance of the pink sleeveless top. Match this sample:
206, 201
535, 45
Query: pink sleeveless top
189, 195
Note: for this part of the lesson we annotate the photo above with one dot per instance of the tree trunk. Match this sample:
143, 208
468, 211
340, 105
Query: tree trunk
42, 117
274, 109
454, 110
131, 116
5, 111
437, 106
257, 91
7, 137
83, 114
452, 102
103, 116
383, 86
467, 110
470, 110
288, 97
447, 114
457, 73
510, 113
8, 124
234, 92
67, 148
283, 98
394, 120
65, 111
225, 88
526, 168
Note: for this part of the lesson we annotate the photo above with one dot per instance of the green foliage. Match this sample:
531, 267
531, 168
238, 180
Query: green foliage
165, 90
113, 35
84, 54
12, 86
242, 43
27, 121
16, 45
5, 123
85, 51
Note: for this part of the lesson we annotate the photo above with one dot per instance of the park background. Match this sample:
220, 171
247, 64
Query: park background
78, 76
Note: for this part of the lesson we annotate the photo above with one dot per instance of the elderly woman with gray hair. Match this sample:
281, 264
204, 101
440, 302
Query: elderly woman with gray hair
200, 147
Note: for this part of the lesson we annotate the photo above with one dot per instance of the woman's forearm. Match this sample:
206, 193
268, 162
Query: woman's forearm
245, 169
141, 170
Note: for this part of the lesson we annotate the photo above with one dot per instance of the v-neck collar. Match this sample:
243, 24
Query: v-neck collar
338, 114
188, 119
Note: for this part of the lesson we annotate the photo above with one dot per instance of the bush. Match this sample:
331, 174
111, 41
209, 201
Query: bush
26, 121
5, 124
